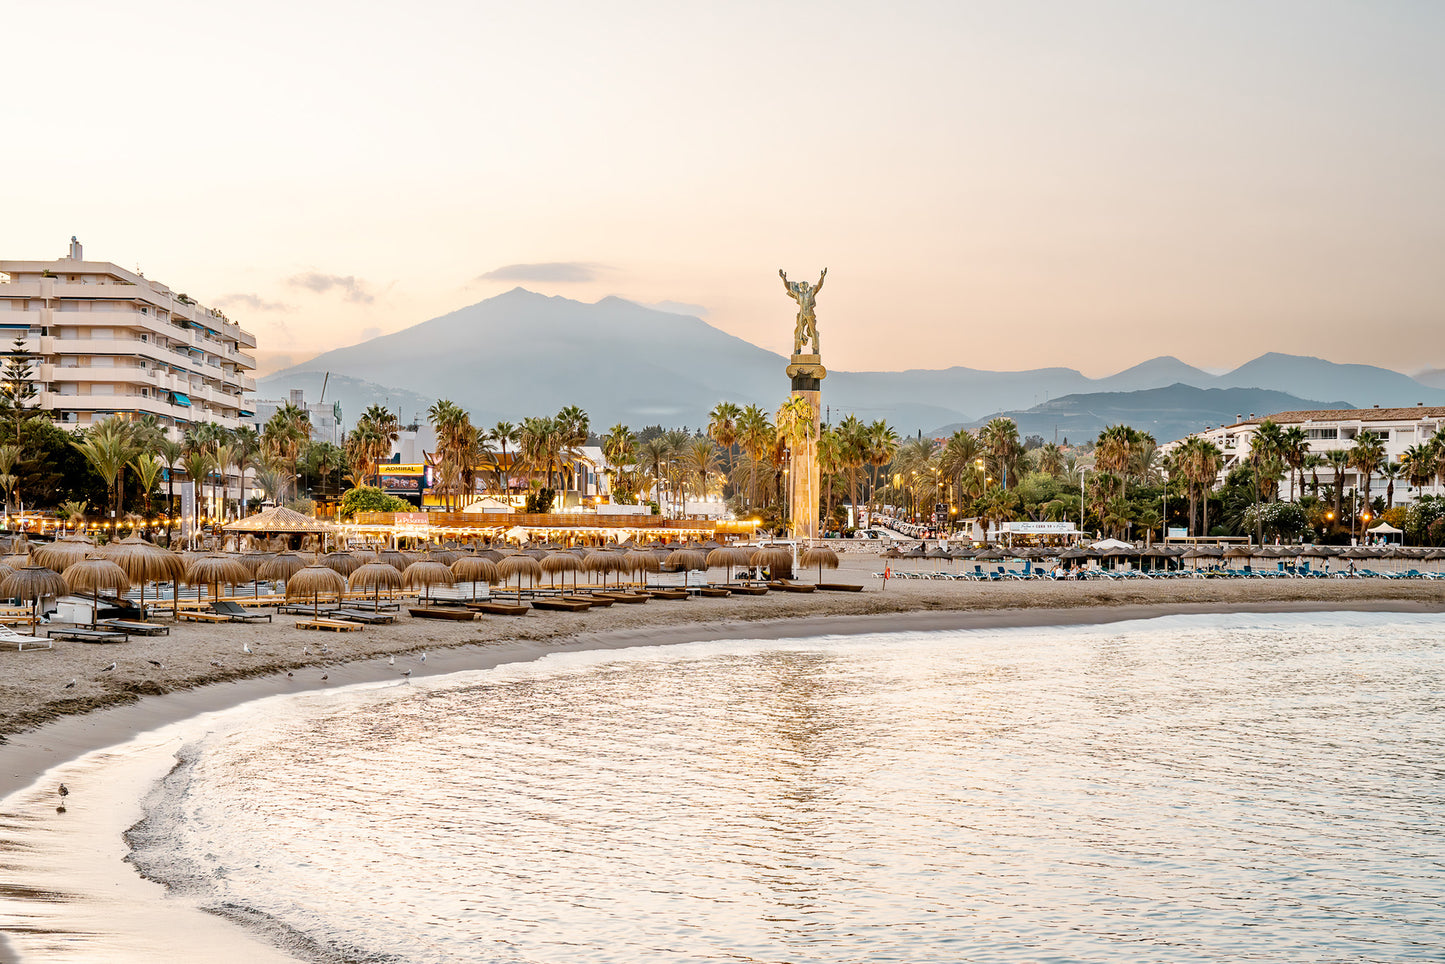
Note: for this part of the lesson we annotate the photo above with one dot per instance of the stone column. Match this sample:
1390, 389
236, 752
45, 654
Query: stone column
807, 374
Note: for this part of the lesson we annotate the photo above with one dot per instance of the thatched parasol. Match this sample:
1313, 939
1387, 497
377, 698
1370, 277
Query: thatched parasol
281, 567
315, 581
426, 574
444, 556
214, 569
771, 557
92, 575
393, 557
819, 557
375, 576
688, 560
474, 569
563, 562
62, 553
343, 562
517, 565
729, 556
33, 583
642, 561
145, 562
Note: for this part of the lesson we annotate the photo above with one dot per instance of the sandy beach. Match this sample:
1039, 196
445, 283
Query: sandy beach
42, 722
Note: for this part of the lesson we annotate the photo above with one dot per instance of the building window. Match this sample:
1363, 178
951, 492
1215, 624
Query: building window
1319, 434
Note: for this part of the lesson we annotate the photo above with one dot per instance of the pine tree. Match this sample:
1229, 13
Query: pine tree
17, 390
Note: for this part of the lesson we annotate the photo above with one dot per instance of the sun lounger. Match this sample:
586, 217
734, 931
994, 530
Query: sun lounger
441, 612
562, 605
713, 592
201, 616
9, 637
838, 587
667, 593
135, 628
239, 613
335, 625
745, 590
362, 616
634, 598
787, 586
81, 634
499, 608
594, 600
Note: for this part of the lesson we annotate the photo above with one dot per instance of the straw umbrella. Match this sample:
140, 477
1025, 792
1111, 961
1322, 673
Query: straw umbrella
688, 560
214, 569
33, 583
315, 581
394, 557
253, 561
444, 556
426, 574
375, 576
62, 553
92, 575
640, 560
518, 565
820, 557
774, 557
729, 556
474, 569
343, 562
281, 567
563, 562
145, 562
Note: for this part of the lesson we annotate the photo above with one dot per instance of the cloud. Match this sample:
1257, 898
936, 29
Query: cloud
352, 288
253, 302
558, 272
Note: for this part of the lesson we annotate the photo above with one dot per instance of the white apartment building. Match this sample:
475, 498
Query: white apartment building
1333, 429
106, 340
325, 418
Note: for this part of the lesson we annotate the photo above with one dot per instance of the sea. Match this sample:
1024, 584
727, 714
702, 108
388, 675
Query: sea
1226, 788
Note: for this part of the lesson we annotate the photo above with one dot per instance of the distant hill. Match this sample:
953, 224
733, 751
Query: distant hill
522, 353
1166, 413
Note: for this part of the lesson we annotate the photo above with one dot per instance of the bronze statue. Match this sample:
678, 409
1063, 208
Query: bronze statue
807, 326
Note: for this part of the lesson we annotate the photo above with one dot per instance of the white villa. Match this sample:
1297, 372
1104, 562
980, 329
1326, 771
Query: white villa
1332, 429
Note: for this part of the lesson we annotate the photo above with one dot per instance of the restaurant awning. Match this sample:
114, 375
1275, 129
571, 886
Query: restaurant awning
181, 399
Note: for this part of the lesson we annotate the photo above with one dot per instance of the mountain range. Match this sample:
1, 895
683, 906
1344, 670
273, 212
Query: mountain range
522, 353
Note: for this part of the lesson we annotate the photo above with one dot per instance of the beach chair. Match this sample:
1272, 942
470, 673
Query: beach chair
9, 637
136, 628
238, 613
83, 635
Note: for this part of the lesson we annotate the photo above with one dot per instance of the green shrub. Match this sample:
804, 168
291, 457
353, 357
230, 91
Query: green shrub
368, 498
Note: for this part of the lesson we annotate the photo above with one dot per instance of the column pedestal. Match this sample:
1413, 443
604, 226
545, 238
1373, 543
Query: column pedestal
806, 373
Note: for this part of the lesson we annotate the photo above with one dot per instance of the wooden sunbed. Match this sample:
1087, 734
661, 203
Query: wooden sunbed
787, 586
135, 628
667, 593
714, 592
237, 612
499, 608
594, 600
335, 625
83, 635
202, 616
738, 589
838, 587
362, 616
562, 605
633, 598
441, 612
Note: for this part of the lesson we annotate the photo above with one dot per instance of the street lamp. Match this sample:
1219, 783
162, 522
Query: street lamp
1082, 470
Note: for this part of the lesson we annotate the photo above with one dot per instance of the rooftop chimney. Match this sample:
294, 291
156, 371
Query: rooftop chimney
1238, 417
1377, 404
76, 252
1251, 415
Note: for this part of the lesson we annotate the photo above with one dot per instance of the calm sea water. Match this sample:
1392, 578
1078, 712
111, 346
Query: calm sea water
1240, 788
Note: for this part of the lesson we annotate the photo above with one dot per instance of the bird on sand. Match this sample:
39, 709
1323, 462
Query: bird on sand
407, 674
70, 685
215, 662
290, 675
246, 648
325, 677
325, 650
391, 661
64, 791
156, 663
423, 657
109, 668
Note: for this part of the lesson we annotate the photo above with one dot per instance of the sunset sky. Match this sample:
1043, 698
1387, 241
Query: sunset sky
995, 185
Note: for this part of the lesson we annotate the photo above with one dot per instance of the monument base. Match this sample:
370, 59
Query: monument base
806, 372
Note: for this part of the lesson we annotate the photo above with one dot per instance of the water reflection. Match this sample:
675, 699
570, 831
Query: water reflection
1179, 790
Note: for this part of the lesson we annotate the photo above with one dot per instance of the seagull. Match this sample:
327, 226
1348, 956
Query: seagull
325, 650
108, 668
325, 677
290, 675
154, 662
305, 650
423, 657
246, 648
70, 685
406, 673
64, 791
60, 809
391, 661
215, 662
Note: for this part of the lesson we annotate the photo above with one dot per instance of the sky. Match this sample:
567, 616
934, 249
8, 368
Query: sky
996, 185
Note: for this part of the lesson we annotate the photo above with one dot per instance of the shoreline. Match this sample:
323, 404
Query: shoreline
68, 730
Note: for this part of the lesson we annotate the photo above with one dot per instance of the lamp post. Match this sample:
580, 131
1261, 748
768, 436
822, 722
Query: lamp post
1082, 470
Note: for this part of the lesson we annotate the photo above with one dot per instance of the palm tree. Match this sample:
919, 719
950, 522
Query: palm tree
722, 428
852, 456
1002, 449
245, 449
797, 422
1339, 459
619, 448
1294, 449
1111, 453
107, 445
702, 462
1419, 465
503, 433
285, 434
654, 456
882, 445
1051, 460
1366, 455
1390, 471
147, 471
198, 462
573, 430
755, 434
170, 451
